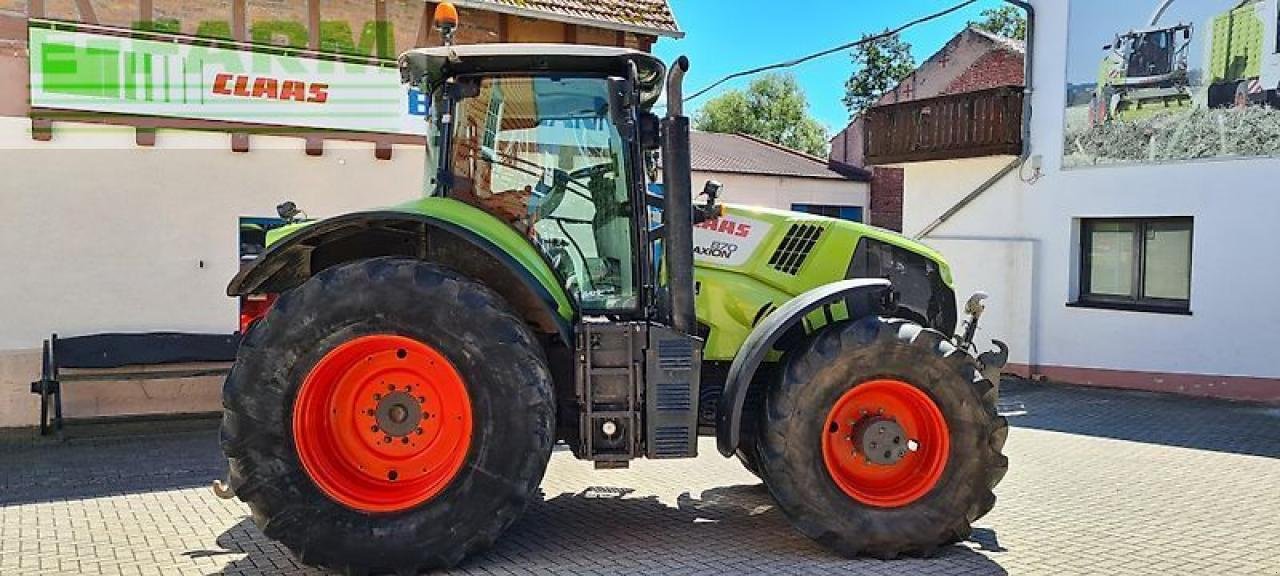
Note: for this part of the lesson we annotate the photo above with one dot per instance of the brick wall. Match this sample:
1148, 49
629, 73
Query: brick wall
992, 70
886, 198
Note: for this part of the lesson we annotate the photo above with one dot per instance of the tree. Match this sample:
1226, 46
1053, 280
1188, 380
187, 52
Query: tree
1006, 21
880, 65
772, 108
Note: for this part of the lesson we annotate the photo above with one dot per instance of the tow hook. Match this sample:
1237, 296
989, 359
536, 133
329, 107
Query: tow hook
223, 490
990, 362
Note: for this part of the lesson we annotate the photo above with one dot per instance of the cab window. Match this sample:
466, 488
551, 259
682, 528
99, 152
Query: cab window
543, 155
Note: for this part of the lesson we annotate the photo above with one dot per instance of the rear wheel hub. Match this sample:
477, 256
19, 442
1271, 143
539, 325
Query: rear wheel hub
885, 443
382, 423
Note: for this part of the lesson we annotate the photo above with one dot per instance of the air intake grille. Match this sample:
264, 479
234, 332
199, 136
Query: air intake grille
795, 248
671, 441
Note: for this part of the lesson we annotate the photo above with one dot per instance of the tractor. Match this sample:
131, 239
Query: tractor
1144, 72
396, 407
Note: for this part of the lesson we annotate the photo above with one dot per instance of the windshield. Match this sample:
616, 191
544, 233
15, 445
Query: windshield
1150, 54
543, 155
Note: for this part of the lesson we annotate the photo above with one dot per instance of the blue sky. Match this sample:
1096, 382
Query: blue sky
723, 37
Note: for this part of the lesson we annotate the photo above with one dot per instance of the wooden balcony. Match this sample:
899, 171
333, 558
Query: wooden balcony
965, 125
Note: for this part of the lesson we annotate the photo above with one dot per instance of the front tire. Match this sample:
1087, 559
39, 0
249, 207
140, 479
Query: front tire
882, 439
388, 415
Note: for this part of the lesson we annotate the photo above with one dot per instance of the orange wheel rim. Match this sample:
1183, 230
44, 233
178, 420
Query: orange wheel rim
885, 443
382, 423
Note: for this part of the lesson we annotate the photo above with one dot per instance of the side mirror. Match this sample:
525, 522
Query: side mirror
288, 211
620, 100
650, 131
711, 209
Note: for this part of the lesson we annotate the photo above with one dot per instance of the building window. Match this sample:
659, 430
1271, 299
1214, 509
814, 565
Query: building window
853, 213
1139, 264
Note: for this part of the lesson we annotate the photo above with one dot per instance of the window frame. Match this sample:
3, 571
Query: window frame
1135, 301
641, 263
818, 209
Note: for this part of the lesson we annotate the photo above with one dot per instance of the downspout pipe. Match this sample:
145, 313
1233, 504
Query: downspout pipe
1028, 69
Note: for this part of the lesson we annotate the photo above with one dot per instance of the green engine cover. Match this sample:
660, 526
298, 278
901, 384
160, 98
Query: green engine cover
753, 260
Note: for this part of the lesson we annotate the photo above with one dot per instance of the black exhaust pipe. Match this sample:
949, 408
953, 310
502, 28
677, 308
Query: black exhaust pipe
677, 216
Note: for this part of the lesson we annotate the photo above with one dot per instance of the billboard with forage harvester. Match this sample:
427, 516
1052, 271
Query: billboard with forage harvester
1172, 80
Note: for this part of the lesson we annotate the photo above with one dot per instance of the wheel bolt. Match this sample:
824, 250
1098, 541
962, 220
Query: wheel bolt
374, 428
387, 439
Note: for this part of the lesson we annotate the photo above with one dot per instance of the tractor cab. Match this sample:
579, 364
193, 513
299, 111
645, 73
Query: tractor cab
1155, 57
551, 139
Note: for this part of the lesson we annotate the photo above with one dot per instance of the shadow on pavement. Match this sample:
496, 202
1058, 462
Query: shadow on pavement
1166, 419
730, 530
108, 460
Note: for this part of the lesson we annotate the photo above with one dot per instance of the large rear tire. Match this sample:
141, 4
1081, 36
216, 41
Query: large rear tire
882, 439
388, 415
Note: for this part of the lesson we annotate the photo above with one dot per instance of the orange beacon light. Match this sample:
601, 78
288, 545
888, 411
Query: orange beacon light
446, 20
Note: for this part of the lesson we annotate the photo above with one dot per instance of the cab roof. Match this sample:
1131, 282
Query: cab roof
433, 65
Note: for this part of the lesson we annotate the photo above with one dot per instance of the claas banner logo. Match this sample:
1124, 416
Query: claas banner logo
100, 72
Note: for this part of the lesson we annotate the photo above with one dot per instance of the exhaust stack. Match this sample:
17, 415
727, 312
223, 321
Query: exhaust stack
677, 216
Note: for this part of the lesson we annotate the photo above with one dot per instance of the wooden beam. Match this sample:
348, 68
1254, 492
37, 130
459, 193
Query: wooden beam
239, 19
41, 129
35, 9
620, 38
144, 136
570, 33
313, 24
87, 15
381, 30
240, 142
426, 24
504, 28
146, 12
239, 31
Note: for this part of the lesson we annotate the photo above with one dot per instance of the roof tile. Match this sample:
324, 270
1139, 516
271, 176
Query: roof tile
743, 154
650, 15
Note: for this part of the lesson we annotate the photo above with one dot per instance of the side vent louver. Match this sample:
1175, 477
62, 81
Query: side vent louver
795, 248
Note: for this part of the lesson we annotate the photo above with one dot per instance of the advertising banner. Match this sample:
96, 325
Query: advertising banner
1168, 80
106, 73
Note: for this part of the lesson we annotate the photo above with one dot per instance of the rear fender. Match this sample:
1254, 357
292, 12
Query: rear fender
500, 262
863, 297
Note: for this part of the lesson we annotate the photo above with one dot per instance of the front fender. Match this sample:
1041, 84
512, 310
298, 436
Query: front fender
863, 297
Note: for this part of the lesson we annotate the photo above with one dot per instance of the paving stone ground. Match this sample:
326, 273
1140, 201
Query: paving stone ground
1101, 482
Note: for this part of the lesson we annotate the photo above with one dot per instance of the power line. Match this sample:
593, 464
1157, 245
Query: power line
803, 59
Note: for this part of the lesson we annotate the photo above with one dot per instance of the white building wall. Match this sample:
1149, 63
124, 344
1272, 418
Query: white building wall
782, 191
100, 235
1032, 231
985, 244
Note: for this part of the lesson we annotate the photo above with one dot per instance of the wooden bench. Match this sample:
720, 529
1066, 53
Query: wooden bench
107, 358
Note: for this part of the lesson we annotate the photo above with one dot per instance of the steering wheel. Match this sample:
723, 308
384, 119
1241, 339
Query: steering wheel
560, 181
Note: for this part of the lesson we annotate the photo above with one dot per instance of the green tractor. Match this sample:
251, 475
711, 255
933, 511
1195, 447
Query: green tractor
396, 407
1144, 73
